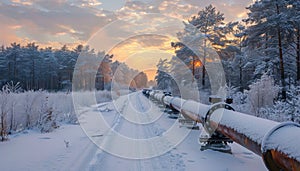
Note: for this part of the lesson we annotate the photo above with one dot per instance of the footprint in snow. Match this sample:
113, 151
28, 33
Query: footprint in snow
45, 138
249, 157
247, 153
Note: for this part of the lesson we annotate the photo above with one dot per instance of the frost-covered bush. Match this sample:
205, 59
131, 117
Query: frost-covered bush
240, 102
262, 93
288, 110
47, 122
104, 96
62, 107
4, 109
279, 111
29, 108
40, 109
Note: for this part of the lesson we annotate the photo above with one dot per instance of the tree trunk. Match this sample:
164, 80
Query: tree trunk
204, 63
15, 67
266, 44
281, 58
3, 127
28, 123
193, 69
298, 53
12, 118
241, 76
33, 74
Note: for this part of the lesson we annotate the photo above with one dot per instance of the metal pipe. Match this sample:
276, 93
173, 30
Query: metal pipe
277, 143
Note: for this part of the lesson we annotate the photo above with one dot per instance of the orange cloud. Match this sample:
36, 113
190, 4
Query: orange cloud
140, 44
143, 52
22, 2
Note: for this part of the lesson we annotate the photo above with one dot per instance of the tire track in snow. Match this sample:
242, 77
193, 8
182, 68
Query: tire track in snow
100, 155
167, 160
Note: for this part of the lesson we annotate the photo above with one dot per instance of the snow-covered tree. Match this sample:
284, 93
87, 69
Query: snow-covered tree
105, 71
47, 68
140, 80
268, 34
207, 21
66, 60
163, 77
293, 13
124, 77
293, 104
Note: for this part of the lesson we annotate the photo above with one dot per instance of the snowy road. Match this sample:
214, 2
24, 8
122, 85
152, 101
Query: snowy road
138, 105
34, 151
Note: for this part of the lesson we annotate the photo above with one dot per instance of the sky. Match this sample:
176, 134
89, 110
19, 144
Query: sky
136, 32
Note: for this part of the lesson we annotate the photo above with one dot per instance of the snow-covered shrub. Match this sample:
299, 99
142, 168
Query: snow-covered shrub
240, 102
62, 106
9, 93
32, 102
189, 91
104, 96
288, 110
13, 88
277, 112
47, 121
262, 93
83, 98
40, 109
293, 99
4, 109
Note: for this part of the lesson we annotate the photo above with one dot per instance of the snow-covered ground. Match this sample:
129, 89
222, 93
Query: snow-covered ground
34, 151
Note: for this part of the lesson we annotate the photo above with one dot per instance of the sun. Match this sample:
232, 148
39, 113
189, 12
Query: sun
197, 64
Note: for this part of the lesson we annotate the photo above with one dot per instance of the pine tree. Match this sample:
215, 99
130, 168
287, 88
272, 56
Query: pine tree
163, 75
207, 21
267, 33
49, 68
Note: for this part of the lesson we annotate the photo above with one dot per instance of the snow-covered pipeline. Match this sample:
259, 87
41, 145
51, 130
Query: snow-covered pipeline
277, 143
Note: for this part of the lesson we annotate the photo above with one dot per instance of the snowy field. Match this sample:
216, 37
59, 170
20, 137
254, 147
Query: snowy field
69, 148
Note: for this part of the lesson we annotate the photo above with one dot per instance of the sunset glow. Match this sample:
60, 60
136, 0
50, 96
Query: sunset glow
57, 23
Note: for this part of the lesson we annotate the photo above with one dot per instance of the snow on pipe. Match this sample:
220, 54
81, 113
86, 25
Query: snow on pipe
167, 100
151, 94
277, 143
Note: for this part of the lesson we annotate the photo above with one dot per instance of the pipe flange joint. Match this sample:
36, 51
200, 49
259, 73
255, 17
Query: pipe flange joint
206, 124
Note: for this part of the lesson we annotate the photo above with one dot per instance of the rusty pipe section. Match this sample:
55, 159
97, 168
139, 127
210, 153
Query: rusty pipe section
277, 143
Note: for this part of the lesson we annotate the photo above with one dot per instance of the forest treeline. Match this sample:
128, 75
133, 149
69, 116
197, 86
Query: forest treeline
52, 69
